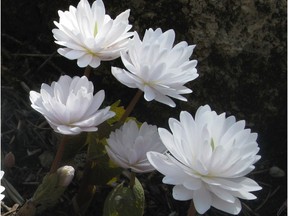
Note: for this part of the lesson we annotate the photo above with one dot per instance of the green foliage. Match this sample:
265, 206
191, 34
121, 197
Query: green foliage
48, 193
102, 170
119, 111
125, 201
96, 147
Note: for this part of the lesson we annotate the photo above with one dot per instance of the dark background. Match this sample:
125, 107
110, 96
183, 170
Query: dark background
241, 51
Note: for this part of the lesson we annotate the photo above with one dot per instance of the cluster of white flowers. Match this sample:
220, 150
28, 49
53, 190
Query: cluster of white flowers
205, 157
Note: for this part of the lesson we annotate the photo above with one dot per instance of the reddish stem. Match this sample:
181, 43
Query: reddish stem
59, 154
131, 106
191, 210
87, 71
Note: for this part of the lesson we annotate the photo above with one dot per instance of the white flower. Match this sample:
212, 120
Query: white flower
207, 160
156, 67
89, 35
128, 146
1, 187
69, 105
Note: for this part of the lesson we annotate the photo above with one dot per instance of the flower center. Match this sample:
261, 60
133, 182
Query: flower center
212, 144
90, 52
95, 29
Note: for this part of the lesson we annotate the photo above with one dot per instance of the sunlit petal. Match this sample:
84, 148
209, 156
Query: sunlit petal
69, 105
207, 159
89, 35
156, 67
128, 145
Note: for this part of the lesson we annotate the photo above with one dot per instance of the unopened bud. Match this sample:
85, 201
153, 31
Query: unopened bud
65, 174
9, 160
276, 172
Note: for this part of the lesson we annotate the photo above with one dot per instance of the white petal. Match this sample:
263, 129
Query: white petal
99, 12
74, 54
2, 196
164, 165
148, 93
202, 200
193, 183
222, 194
118, 160
181, 193
1, 174
97, 101
125, 77
231, 208
165, 100
95, 62
83, 61
248, 184
63, 129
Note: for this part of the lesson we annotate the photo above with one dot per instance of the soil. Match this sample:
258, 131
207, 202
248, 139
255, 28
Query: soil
241, 52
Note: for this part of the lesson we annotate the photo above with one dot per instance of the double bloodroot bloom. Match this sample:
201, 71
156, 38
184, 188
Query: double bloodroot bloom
1, 187
128, 146
69, 105
89, 35
156, 67
207, 160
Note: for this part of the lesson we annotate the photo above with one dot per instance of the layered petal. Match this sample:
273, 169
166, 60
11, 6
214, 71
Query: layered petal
91, 36
69, 105
156, 67
128, 146
207, 160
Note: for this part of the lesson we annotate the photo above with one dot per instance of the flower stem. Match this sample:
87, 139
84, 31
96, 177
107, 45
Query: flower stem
191, 210
132, 179
59, 154
86, 190
87, 71
131, 106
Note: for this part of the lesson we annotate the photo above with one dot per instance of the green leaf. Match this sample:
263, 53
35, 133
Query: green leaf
125, 201
103, 170
48, 193
96, 148
119, 111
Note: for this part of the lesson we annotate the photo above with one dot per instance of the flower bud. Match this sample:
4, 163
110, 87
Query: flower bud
65, 174
276, 172
9, 160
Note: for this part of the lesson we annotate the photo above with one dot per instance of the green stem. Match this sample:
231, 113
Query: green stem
191, 210
86, 190
59, 154
132, 179
131, 106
